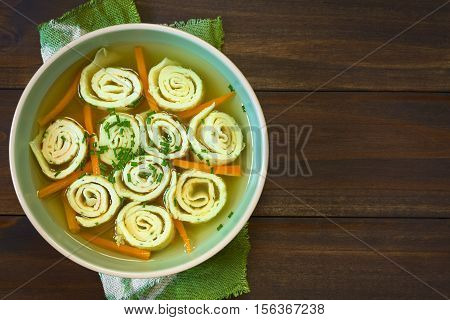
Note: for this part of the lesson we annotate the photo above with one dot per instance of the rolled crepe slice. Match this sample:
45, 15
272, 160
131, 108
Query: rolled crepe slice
173, 87
162, 135
107, 87
215, 137
143, 179
61, 148
144, 226
94, 199
118, 131
195, 196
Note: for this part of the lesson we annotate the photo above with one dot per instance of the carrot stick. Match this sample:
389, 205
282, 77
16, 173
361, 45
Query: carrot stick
111, 245
183, 234
87, 111
88, 123
234, 170
192, 112
63, 183
142, 70
73, 89
95, 163
72, 223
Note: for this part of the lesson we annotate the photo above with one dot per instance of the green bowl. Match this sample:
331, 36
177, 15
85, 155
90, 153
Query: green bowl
22, 129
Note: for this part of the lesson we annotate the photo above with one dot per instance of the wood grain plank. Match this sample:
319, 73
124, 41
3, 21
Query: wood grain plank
291, 258
282, 45
370, 154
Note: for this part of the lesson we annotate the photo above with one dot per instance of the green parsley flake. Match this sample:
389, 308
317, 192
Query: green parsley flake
231, 88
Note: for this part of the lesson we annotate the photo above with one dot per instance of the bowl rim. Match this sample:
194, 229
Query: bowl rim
254, 198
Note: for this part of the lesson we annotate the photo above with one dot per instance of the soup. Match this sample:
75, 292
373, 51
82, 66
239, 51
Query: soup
164, 163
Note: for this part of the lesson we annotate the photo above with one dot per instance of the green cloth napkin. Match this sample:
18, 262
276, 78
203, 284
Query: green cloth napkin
225, 274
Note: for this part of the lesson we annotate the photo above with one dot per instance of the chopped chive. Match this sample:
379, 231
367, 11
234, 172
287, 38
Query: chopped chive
211, 170
133, 164
243, 108
129, 177
57, 173
159, 178
83, 175
82, 164
231, 87
230, 214
219, 227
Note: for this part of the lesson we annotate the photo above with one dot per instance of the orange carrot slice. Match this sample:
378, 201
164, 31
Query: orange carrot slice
88, 123
111, 245
142, 70
192, 112
63, 183
73, 89
87, 112
72, 223
234, 170
183, 234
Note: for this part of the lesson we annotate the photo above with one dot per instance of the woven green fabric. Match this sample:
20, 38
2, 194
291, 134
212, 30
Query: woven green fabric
209, 30
225, 274
90, 16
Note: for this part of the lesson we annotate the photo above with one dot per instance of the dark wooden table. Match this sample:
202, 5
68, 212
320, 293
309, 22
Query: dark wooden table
372, 78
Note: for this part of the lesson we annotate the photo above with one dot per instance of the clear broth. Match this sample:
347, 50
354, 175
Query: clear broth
215, 85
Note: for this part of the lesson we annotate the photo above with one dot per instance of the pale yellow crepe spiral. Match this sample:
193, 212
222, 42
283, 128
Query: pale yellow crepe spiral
143, 179
215, 137
61, 148
195, 196
144, 226
118, 131
173, 87
94, 199
162, 135
108, 87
